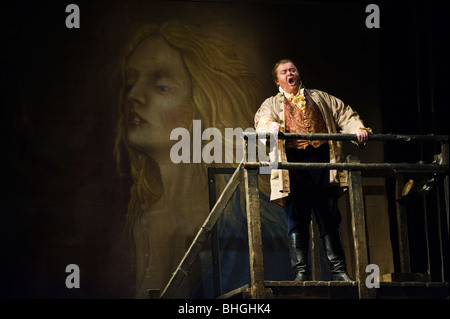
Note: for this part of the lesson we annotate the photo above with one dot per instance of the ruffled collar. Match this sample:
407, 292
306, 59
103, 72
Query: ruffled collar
298, 99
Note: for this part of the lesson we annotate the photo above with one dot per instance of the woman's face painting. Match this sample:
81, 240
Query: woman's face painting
159, 91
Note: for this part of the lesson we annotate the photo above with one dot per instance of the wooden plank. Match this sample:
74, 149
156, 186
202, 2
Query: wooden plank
254, 234
316, 271
405, 277
203, 234
359, 230
236, 293
312, 289
351, 137
356, 166
445, 161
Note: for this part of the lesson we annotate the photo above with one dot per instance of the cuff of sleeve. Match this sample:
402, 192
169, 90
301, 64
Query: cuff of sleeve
368, 129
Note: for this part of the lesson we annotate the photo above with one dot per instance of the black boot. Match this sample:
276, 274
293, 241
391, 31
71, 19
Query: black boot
332, 243
298, 249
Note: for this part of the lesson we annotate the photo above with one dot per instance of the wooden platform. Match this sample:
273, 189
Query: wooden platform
344, 290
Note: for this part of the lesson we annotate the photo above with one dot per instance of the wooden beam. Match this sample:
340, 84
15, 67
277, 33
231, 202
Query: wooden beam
254, 234
359, 230
351, 137
445, 161
316, 270
402, 226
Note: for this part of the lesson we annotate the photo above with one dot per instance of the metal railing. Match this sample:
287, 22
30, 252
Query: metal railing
247, 171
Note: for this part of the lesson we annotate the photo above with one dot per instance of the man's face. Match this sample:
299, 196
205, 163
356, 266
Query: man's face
288, 77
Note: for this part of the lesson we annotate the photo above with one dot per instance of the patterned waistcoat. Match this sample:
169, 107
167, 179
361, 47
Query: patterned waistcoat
308, 121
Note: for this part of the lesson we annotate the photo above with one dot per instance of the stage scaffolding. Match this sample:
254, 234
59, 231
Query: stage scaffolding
247, 172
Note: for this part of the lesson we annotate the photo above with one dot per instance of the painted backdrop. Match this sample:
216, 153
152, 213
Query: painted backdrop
87, 119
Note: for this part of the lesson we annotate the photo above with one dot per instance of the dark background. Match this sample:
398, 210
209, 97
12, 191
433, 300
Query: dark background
63, 200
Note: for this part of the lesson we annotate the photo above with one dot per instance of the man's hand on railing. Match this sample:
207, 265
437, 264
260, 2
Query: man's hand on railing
274, 128
363, 136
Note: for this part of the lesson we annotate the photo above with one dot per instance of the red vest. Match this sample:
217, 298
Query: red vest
309, 121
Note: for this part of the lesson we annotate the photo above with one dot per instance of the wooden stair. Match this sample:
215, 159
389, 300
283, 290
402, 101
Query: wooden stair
344, 290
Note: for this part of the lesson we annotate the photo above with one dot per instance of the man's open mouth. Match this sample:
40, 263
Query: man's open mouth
291, 81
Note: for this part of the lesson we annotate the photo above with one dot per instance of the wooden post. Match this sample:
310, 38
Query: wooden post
403, 242
359, 230
444, 150
254, 234
257, 289
315, 251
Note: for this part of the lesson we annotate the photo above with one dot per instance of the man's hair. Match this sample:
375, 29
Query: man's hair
275, 67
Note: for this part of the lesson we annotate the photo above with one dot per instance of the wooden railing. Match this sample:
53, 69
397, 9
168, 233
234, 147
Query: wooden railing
248, 171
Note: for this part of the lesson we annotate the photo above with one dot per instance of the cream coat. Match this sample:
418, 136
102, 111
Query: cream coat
339, 118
